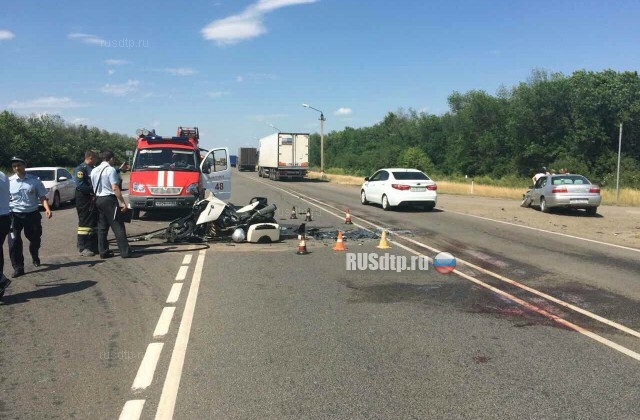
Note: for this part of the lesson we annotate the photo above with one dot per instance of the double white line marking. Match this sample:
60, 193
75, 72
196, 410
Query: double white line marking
132, 409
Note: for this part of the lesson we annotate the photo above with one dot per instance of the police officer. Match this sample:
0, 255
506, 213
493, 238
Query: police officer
105, 180
85, 206
27, 192
5, 227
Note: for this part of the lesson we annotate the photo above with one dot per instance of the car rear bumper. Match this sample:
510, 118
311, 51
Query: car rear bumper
161, 203
576, 201
402, 198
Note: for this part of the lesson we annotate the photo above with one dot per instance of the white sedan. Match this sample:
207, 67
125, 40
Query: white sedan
393, 187
59, 184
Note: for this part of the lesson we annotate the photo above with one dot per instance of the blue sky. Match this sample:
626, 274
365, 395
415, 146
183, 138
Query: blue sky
232, 67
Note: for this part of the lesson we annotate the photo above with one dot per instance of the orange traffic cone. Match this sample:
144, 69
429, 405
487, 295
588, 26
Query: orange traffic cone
339, 246
293, 213
384, 243
308, 216
302, 247
347, 218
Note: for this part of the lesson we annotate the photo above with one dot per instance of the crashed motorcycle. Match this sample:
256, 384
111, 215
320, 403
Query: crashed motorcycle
213, 219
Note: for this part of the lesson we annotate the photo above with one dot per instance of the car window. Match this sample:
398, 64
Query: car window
410, 175
384, 175
376, 176
67, 174
570, 179
540, 181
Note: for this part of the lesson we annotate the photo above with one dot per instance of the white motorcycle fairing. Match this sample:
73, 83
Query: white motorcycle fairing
212, 212
248, 207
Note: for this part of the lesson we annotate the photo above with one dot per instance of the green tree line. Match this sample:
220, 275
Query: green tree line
552, 120
47, 140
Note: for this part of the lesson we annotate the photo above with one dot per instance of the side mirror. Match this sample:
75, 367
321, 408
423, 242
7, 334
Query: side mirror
206, 169
366, 178
62, 179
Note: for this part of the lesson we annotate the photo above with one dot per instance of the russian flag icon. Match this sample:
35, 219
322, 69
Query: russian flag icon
444, 263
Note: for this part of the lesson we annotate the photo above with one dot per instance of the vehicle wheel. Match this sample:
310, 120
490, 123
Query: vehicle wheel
363, 198
592, 211
136, 214
526, 202
56, 201
385, 203
543, 206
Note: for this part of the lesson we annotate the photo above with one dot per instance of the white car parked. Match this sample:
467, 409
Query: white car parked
59, 184
393, 187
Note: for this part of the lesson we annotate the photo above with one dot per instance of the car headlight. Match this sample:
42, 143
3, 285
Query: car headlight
137, 187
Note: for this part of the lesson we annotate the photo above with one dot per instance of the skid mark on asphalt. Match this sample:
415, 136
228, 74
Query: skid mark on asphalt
320, 204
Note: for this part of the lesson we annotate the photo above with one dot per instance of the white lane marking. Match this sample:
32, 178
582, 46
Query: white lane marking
162, 327
160, 178
574, 327
167, 403
547, 231
132, 410
170, 178
490, 273
144, 377
187, 259
174, 294
182, 273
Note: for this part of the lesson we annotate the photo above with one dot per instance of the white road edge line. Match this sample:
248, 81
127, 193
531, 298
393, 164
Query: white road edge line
167, 403
528, 305
187, 259
162, 327
144, 377
174, 293
132, 410
546, 231
182, 272
562, 303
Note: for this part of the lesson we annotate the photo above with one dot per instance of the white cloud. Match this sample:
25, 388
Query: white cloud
343, 112
6, 35
87, 38
79, 120
115, 62
121, 89
216, 94
47, 102
181, 71
239, 79
247, 24
110, 72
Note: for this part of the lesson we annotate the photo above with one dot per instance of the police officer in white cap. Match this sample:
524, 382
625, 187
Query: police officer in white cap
27, 193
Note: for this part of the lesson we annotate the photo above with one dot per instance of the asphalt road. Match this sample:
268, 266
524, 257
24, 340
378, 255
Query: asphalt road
260, 332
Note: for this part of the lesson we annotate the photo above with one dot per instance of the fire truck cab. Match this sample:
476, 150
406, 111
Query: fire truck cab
167, 171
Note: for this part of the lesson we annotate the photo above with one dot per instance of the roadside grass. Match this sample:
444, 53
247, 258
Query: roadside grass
628, 196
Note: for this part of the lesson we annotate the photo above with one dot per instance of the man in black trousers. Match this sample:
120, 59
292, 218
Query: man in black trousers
105, 180
85, 206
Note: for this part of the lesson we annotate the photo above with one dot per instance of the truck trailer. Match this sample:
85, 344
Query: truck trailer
247, 157
284, 156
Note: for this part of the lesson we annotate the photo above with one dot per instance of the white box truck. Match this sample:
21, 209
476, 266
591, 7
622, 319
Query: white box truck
284, 156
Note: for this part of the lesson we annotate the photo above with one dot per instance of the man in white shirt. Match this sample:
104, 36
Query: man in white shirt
5, 227
105, 181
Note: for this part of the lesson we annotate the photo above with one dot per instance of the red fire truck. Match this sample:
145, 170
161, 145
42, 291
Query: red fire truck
167, 170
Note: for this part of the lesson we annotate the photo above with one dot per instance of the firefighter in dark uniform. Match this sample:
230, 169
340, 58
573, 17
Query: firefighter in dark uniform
85, 206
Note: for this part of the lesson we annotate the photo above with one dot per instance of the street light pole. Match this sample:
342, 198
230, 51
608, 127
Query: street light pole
322, 120
618, 171
274, 127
